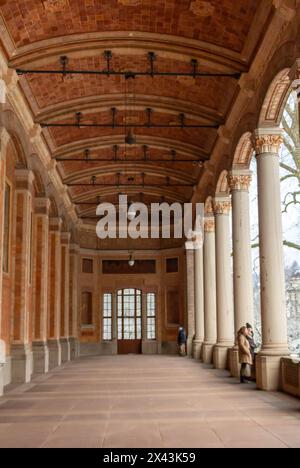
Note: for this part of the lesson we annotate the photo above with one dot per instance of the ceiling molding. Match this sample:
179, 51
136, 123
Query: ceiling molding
128, 43
164, 144
103, 103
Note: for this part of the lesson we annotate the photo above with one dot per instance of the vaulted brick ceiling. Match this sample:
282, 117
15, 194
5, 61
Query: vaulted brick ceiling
221, 34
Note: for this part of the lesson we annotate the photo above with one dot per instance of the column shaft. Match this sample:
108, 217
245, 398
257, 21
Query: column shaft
54, 292
225, 318
65, 296
190, 290
210, 300
199, 300
23, 256
40, 286
273, 305
73, 301
239, 182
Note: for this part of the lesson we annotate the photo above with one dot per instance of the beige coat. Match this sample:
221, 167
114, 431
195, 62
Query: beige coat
244, 350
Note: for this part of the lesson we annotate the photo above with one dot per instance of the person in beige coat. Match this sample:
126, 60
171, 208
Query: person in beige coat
245, 357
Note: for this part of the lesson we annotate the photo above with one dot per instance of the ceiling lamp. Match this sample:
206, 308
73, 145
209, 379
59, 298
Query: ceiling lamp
131, 261
131, 212
130, 139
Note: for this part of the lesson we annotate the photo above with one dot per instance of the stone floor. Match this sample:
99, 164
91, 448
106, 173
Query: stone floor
143, 401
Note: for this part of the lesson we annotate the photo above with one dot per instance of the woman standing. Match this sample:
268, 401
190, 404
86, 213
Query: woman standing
245, 357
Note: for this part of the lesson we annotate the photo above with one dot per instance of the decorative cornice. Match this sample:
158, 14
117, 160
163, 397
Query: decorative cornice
268, 141
222, 206
239, 181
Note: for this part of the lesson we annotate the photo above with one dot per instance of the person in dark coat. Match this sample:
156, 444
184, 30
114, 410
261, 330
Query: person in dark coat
182, 341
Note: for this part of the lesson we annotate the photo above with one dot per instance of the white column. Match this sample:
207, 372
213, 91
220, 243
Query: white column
239, 182
225, 318
210, 299
199, 299
190, 291
273, 305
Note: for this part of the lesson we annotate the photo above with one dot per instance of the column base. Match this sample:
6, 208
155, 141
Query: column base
40, 353
21, 363
268, 372
189, 346
234, 364
207, 352
54, 353
197, 350
74, 348
220, 357
65, 349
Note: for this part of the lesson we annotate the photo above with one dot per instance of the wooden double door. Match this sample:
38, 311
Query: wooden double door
129, 321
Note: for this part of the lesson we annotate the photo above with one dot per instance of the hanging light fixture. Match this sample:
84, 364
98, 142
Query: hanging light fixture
131, 261
130, 139
131, 212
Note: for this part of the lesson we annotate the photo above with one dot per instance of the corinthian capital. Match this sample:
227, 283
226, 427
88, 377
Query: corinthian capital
240, 180
268, 140
209, 224
222, 206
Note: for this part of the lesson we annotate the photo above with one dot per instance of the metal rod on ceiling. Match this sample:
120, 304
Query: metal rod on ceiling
135, 186
112, 125
128, 74
126, 161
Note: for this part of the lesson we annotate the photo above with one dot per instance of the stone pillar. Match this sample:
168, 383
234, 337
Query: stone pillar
2, 197
239, 182
210, 305
199, 299
3, 137
21, 353
73, 301
273, 305
190, 290
65, 295
40, 286
225, 318
54, 292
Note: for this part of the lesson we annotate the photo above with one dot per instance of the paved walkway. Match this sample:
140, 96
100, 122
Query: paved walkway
145, 401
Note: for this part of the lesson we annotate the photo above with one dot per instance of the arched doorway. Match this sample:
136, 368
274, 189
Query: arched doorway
129, 321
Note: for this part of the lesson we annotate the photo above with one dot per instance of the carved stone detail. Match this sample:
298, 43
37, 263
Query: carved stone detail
268, 144
222, 207
239, 182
